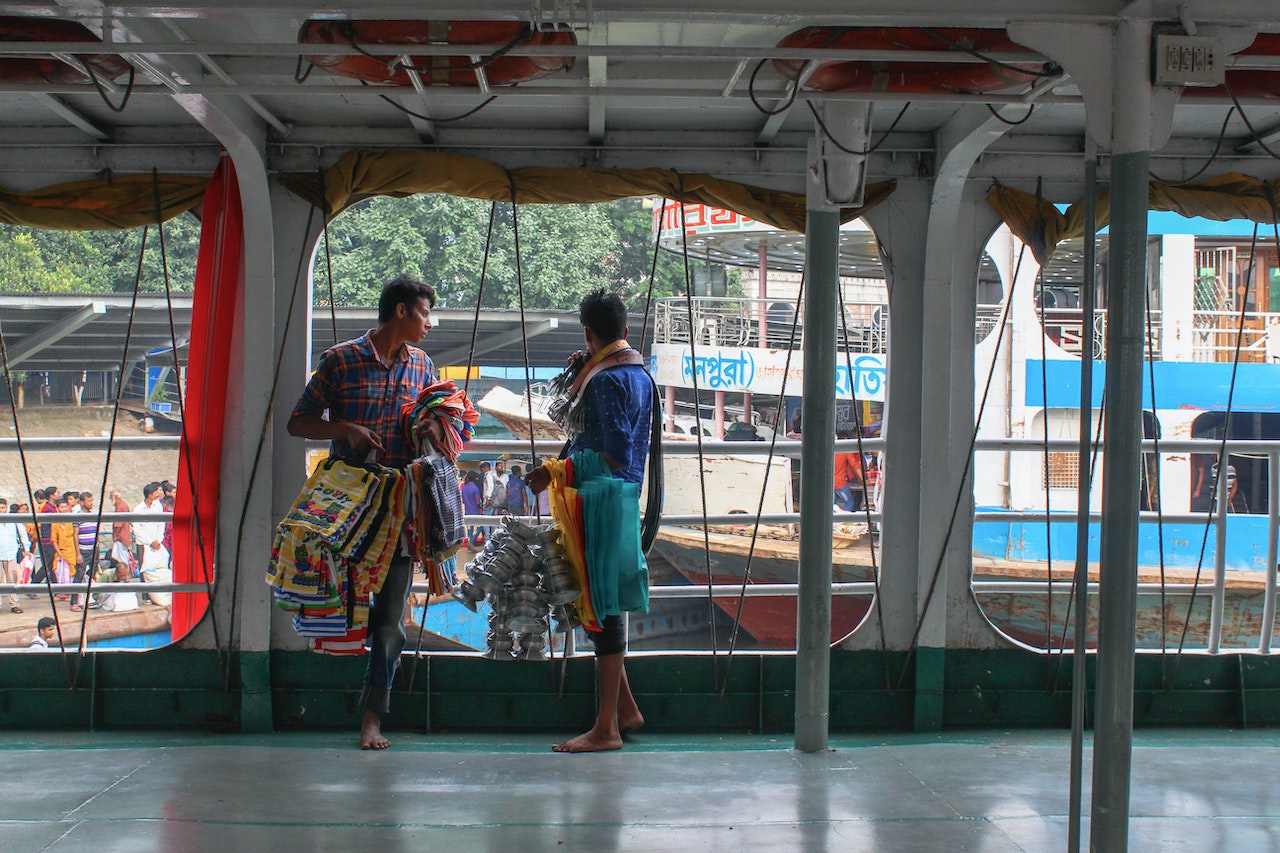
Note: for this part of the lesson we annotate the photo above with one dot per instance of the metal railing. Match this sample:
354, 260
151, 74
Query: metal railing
724, 321
1213, 333
1218, 519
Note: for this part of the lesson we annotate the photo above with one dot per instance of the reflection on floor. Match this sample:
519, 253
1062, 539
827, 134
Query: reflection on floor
991, 791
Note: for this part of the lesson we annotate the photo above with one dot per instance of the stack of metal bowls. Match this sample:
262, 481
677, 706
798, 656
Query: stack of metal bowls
524, 576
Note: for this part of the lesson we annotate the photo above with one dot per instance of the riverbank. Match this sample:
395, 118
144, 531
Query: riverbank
80, 470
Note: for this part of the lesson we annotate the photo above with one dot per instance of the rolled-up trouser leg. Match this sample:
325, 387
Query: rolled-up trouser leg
612, 637
386, 635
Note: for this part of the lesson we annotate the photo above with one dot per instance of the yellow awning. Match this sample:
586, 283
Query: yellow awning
109, 203
1040, 225
360, 174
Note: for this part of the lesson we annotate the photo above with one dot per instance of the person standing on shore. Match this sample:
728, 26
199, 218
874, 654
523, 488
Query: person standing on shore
14, 544
354, 399
121, 538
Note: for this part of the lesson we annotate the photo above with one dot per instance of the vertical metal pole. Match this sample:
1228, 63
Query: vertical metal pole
1222, 504
762, 291
1273, 518
1117, 614
817, 461
1079, 671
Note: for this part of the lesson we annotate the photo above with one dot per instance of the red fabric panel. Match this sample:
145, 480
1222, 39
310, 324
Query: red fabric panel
219, 281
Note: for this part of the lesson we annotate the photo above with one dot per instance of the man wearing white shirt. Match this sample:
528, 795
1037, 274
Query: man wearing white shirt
13, 539
148, 534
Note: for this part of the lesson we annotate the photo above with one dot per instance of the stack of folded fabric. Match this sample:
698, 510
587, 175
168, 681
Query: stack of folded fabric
599, 519
449, 404
332, 549
435, 528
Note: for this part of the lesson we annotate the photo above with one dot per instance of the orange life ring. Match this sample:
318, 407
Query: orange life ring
907, 77
1251, 83
379, 66
47, 69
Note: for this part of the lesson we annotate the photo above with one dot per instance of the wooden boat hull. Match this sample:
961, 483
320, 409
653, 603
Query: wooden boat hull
770, 619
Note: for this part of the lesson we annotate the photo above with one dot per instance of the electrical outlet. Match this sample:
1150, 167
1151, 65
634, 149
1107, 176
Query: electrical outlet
1188, 61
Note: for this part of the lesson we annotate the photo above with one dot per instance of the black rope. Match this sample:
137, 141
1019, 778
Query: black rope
1050, 69
1257, 137
328, 258
653, 272
185, 453
764, 485
866, 496
1217, 146
964, 477
102, 91
1219, 479
266, 426
1031, 109
402, 108
524, 338
475, 321
790, 98
111, 438
697, 431
300, 76
817, 116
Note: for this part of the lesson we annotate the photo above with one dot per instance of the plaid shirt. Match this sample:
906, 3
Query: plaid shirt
354, 384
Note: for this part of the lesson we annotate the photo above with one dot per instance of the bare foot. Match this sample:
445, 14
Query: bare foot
371, 732
629, 722
590, 742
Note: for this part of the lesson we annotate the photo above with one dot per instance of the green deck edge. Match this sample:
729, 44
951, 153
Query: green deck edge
183, 689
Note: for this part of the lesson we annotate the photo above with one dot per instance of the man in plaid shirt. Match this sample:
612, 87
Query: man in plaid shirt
360, 385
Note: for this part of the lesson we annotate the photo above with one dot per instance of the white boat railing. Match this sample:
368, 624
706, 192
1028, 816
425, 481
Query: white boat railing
1217, 518
728, 321
1213, 334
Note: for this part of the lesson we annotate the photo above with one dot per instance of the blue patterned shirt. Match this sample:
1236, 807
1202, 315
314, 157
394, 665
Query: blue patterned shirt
355, 385
618, 407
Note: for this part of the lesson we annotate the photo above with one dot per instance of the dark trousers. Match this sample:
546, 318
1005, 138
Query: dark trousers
44, 569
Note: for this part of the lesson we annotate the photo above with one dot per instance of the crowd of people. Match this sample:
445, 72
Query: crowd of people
494, 490
36, 550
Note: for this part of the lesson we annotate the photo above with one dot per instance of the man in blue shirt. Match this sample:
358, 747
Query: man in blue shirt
361, 384
617, 402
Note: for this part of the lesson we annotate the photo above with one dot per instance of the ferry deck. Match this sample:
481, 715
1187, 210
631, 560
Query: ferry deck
923, 730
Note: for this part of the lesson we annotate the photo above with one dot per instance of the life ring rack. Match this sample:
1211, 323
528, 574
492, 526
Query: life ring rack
913, 76
374, 64
50, 69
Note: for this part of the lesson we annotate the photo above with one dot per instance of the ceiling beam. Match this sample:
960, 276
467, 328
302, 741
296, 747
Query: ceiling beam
423, 126
597, 78
71, 115
54, 332
461, 355
782, 107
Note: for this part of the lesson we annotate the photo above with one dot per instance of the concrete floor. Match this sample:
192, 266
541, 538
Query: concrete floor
988, 791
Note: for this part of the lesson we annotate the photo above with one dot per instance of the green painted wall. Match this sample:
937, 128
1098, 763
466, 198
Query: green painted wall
200, 690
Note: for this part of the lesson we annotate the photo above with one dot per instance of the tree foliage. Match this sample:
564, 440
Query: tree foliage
565, 252
33, 260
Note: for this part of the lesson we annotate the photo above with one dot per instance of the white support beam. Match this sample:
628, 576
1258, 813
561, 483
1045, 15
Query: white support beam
597, 78
459, 355
70, 115
54, 332
217, 71
424, 127
781, 109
